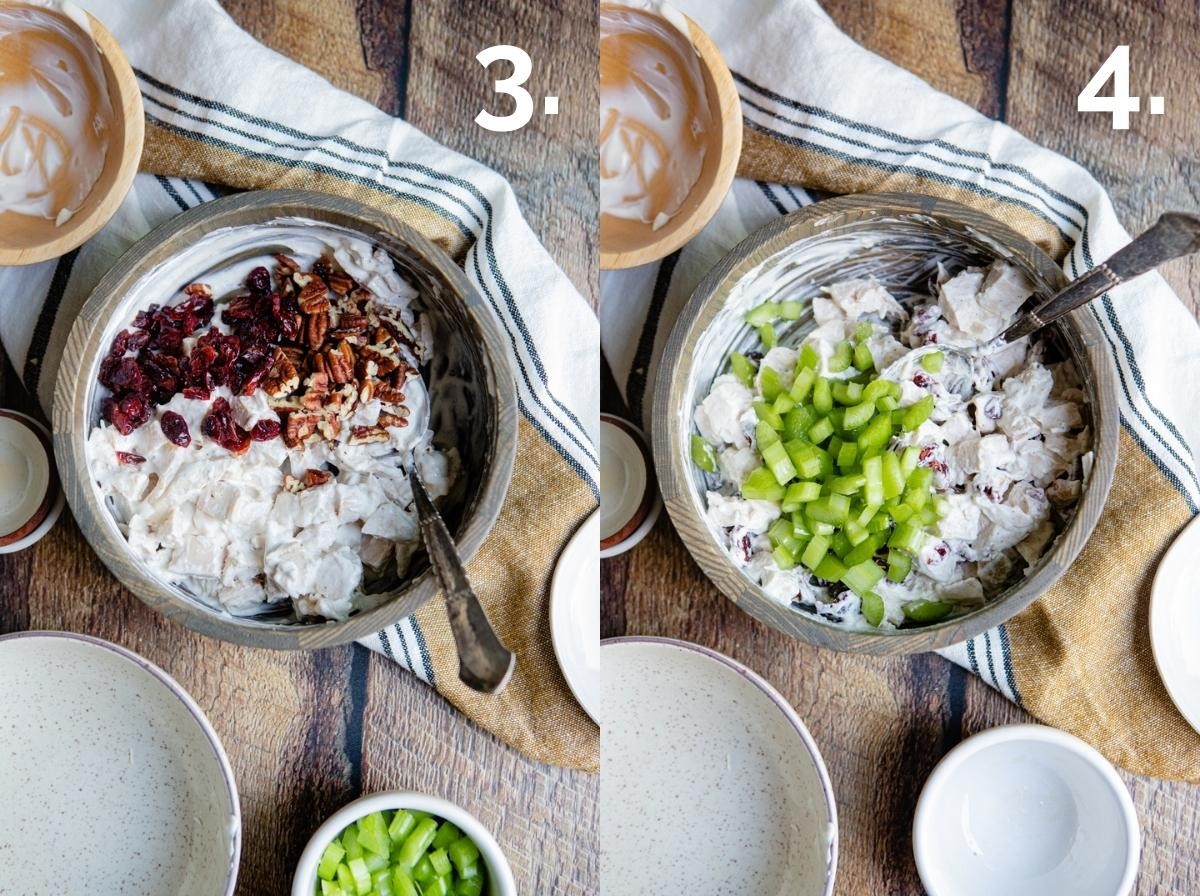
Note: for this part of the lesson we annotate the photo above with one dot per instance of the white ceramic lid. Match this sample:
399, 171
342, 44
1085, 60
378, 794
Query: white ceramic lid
710, 783
575, 615
24, 473
629, 501
1029, 810
1175, 621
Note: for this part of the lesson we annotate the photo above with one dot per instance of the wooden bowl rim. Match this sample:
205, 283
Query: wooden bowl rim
731, 150
673, 464
72, 423
86, 224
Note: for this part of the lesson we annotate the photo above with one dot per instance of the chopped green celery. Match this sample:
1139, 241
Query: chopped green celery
865, 550
880, 522
929, 516
402, 824
815, 552
821, 430
797, 421
743, 368
780, 529
846, 392
897, 416
819, 528
447, 833
798, 494
873, 486
836, 416
822, 397
418, 842
875, 437
381, 883
899, 566
345, 879
353, 848
791, 310
329, 888
900, 513
373, 835
839, 543
437, 886
858, 415
855, 534
846, 455
799, 526
933, 361
864, 330
842, 356
886, 405
893, 475
770, 383
402, 883
438, 858
862, 577
783, 403
874, 390
767, 334
920, 479
767, 415
763, 314
927, 610
872, 608
776, 458
374, 861
917, 413
423, 872
471, 886
362, 876
849, 484
916, 499
764, 435
862, 357
330, 858
867, 514
809, 358
829, 509
463, 852
761, 485
783, 558
825, 460
804, 457
831, 569
802, 385
907, 537
704, 455
909, 460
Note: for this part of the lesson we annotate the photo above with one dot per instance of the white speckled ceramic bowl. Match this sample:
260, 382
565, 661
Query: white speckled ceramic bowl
500, 876
1026, 809
111, 779
710, 781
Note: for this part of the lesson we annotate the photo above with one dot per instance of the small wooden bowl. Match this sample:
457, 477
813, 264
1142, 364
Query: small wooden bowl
896, 238
716, 177
38, 240
470, 369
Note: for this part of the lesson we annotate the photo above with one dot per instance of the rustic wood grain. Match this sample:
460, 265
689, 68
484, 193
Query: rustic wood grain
883, 723
306, 732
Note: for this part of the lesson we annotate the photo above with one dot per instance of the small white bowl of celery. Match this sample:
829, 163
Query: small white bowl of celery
402, 844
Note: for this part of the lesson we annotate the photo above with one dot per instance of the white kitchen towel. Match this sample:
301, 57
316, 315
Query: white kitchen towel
208, 87
821, 111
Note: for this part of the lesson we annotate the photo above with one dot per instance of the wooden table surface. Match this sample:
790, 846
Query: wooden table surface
307, 732
883, 724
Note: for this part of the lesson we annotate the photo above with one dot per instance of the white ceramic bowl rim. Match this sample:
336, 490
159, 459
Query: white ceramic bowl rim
1029, 733
193, 709
784, 707
500, 876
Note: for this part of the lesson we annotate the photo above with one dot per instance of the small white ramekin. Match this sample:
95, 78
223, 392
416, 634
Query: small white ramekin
500, 877
1026, 809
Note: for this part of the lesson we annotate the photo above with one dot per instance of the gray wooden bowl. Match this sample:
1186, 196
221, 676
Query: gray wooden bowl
892, 237
470, 371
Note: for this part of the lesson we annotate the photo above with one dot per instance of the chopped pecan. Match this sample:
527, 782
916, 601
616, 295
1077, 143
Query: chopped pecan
384, 362
329, 428
300, 428
292, 484
283, 378
317, 327
389, 420
288, 263
316, 390
389, 394
364, 435
367, 390
198, 289
340, 363
340, 282
313, 298
313, 478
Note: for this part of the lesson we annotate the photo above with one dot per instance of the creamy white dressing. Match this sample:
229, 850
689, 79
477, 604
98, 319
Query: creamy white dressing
1006, 440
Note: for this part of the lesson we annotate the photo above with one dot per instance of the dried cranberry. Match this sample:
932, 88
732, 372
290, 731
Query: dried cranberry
926, 453
942, 550
265, 430
196, 393
932, 340
259, 280
745, 546
921, 380
254, 375
322, 268
120, 344
127, 376
129, 413
219, 426
129, 458
175, 428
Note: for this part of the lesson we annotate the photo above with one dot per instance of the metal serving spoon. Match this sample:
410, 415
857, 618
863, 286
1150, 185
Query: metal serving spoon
1175, 234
